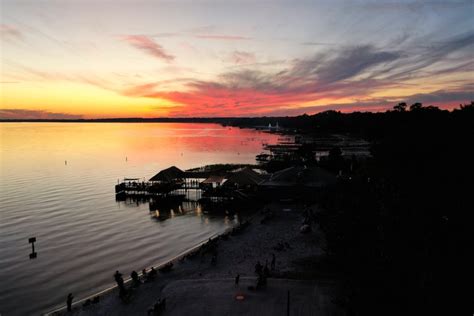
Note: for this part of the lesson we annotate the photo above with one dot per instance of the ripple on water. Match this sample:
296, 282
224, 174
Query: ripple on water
83, 234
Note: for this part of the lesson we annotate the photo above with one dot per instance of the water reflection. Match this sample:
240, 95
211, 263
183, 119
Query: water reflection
71, 208
161, 209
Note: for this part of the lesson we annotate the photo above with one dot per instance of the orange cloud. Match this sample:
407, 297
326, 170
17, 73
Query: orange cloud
362, 77
358, 78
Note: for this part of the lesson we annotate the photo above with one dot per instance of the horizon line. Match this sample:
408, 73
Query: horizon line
171, 119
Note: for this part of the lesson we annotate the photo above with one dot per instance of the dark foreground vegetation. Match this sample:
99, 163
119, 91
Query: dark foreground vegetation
398, 225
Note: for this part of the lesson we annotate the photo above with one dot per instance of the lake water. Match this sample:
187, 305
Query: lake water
83, 234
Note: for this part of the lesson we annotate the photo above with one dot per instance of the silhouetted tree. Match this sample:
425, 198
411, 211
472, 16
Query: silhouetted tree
469, 107
400, 241
400, 107
416, 106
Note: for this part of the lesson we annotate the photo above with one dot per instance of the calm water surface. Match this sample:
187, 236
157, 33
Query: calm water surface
83, 234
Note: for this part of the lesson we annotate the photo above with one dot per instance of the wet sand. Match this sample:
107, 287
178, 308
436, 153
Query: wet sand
236, 254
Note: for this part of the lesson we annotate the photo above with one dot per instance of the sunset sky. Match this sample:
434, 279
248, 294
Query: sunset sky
93, 59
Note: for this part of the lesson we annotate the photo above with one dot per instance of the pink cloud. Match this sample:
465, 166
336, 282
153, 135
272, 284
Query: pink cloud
147, 45
10, 32
251, 93
240, 57
223, 37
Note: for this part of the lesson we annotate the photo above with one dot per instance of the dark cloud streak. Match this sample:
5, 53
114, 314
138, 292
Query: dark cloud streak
10, 33
352, 72
147, 45
21, 114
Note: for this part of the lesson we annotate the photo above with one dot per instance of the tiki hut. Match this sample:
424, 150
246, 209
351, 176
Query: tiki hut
213, 181
171, 174
313, 177
245, 178
297, 182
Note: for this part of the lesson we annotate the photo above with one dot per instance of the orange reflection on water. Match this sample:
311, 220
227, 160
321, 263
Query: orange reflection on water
131, 147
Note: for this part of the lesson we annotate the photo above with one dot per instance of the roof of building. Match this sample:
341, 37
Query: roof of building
246, 176
214, 179
298, 175
168, 175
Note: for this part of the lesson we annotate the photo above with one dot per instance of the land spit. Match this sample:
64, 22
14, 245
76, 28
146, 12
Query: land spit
196, 284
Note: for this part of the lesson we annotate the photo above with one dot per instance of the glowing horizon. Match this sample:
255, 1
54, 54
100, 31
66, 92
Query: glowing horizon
102, 59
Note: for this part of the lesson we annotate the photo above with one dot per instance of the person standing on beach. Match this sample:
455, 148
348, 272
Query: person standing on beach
273, 261
134, 276
237, 278
69, 302
152, 273
266, 272
118, 278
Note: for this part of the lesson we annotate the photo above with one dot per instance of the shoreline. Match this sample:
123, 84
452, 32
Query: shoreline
236, 254
57, 310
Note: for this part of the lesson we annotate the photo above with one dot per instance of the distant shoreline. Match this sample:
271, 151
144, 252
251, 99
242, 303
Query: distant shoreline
141, 120
270, 124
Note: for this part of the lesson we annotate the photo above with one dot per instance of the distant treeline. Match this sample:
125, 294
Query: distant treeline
366, 124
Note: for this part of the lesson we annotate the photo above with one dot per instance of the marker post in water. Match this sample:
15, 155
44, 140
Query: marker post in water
32, 241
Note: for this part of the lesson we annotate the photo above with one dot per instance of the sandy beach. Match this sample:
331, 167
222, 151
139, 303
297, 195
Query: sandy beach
297, 256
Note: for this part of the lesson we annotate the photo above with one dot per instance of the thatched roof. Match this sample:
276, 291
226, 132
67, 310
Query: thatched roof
294, 176
168, 175
244, 177
214, 179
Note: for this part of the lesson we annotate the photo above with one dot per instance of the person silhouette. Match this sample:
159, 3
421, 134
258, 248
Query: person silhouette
134, 276
266, 272
118, 278
69, 302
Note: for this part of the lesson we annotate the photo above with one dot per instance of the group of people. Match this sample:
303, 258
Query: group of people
146, 276
88, 302
263, 272
268, 214
238, 229
193, 183
136, 281
309, 216
211, 248
150, 275
139, 185
158, 308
